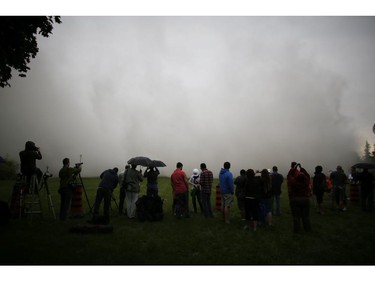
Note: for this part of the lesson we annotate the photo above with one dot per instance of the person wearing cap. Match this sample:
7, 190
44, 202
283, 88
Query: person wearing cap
108, 182
196, 190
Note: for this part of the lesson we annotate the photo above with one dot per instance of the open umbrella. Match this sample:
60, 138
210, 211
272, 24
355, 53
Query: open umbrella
157, 163
140, 160
368, 166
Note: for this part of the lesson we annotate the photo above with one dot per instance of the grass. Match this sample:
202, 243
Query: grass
338, 238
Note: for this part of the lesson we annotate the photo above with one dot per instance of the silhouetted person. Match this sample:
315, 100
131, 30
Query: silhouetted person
28, 159
366, 180
239, 182
319, 187
276, 183
152, 174
67, 175
339, 180
252, 198
108, 182
299, 196
122, 185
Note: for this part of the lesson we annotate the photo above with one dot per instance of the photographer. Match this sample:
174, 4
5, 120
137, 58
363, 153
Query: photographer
67, 176
299, 197
28, 159
108, 182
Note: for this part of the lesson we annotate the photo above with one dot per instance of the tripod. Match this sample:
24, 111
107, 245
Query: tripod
44, 183
84, 191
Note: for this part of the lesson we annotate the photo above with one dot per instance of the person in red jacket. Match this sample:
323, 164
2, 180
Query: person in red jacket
180, 191
299, 198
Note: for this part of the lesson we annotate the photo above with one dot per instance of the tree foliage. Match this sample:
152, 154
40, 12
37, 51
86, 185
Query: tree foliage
8, 170
368, 155
18, 42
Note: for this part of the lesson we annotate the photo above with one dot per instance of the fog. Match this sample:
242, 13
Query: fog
254, 91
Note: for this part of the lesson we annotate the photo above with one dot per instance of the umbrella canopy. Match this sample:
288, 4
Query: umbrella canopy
157, 163
368, 166
140, 160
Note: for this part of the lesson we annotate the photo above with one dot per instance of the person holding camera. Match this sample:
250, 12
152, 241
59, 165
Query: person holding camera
299, 197
67, 175
28, 159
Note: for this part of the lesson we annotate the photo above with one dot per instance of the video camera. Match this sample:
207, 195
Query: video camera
77, 165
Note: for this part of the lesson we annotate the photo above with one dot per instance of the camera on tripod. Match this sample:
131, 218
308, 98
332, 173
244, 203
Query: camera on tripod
77, 165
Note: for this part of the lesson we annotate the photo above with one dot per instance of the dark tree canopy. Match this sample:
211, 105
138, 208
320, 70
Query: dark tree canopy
18, 42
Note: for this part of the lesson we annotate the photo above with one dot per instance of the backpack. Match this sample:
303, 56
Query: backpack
149, 208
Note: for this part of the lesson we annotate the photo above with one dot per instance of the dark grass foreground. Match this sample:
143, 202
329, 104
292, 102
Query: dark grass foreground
338, 238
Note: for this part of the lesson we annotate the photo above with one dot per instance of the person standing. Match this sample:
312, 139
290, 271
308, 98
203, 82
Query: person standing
252, 197
366, 180
121, 177
276, 183
131, 183
206, 180
195, 190
339, 180
290, 176
226, 190
180, 191
108, 182
239, 182
265, 203
152, 174
67, 175
319, 187
28, 159
299, 196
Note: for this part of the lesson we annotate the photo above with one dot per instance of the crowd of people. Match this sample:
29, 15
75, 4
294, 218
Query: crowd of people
257, 192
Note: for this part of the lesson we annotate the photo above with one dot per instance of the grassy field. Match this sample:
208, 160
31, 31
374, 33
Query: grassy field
338, 238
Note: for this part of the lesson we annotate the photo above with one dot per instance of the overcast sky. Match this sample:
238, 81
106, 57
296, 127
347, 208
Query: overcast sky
254, 91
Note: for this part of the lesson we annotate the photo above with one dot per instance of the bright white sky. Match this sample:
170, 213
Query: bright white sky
255, 91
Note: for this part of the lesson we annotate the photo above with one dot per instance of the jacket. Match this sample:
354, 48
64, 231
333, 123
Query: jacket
109, 179
226, 181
